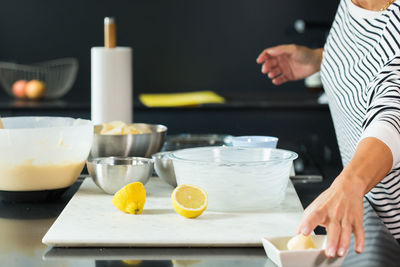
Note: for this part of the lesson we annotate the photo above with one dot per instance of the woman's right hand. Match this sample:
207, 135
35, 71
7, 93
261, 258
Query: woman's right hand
289, 62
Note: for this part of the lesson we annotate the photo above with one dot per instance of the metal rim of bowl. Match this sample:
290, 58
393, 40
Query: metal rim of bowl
160, 128
181, 140
198, 137
110, 160
161, 154
291, 155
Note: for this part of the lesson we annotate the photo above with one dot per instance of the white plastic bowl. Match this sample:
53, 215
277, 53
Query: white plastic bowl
255, 141
236, 178
42, 153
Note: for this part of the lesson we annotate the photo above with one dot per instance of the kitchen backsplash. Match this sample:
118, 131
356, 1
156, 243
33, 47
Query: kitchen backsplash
179, 45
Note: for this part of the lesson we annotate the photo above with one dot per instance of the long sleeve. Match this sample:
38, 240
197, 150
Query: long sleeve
382, 119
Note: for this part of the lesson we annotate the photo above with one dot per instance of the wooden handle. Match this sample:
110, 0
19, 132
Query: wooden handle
110, 33
1, 124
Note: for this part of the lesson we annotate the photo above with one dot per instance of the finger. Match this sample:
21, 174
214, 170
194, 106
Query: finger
359, 236
274, 51
344, 239
268, 65
309, 221
280, 50
274, 72
263, 56
333, 230
278, 81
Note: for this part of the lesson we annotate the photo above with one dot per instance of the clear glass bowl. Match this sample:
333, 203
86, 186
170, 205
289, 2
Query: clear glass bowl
58, 75
236, 178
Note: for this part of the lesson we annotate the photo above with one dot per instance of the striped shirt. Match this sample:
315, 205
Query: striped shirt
361, 76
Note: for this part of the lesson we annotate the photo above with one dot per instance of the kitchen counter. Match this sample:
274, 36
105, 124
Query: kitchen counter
303, 126
23, 225
246, 99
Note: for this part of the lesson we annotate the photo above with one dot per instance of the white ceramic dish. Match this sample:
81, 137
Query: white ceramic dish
277, 251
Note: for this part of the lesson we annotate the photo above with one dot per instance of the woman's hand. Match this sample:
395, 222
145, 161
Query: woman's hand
340, 210
289, 62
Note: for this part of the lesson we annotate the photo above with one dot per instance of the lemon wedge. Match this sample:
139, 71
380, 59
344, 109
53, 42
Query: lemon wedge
130, 198
300, 242
189, 200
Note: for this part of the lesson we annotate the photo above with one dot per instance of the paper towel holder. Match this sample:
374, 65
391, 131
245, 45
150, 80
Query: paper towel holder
110, 32
111, 79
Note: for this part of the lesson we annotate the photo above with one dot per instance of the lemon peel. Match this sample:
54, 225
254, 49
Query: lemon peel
130, 198
189, 201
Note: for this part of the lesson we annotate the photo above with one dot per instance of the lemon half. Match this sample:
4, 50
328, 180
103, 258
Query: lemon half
130, 198
189, 200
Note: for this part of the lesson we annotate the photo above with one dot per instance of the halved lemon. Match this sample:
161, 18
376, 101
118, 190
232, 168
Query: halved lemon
189, 200
130, 198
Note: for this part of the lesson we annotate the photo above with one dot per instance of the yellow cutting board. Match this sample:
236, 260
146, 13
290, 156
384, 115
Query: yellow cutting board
180, 99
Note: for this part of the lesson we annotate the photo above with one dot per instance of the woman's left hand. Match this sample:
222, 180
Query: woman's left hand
340, 210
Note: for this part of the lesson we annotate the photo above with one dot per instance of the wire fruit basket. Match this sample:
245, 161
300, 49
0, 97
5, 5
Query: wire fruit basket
58, 75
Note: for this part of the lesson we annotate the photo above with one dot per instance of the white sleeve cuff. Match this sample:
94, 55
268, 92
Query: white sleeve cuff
388, 135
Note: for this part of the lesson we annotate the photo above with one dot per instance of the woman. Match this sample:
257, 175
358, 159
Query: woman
360, 70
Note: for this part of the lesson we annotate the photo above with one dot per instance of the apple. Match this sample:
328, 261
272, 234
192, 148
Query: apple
35, 89
18, 88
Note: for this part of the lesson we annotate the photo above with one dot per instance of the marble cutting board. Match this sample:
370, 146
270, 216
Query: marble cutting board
90, 220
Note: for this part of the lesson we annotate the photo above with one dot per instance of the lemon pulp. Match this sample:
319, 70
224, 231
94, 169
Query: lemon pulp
190, 201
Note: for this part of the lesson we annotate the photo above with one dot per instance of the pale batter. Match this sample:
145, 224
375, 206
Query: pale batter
29, 176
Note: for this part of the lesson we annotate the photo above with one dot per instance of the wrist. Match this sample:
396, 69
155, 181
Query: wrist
318, 57
352, 182
315, 58
371, 162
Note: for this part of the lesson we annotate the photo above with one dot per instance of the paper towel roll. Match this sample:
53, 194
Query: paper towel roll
111, 75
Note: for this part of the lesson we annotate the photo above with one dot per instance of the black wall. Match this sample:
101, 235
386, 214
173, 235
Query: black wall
179, 45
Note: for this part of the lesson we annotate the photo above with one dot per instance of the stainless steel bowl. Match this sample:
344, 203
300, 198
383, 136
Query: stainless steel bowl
164, 167
113, 173
181, 141
131, 145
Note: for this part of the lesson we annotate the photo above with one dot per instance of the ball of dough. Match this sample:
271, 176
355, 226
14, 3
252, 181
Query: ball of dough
300, 242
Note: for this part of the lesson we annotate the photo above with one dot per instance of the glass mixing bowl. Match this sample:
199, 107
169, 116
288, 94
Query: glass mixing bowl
236, 178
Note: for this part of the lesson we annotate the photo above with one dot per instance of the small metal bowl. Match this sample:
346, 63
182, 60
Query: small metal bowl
112, 173
164, 167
